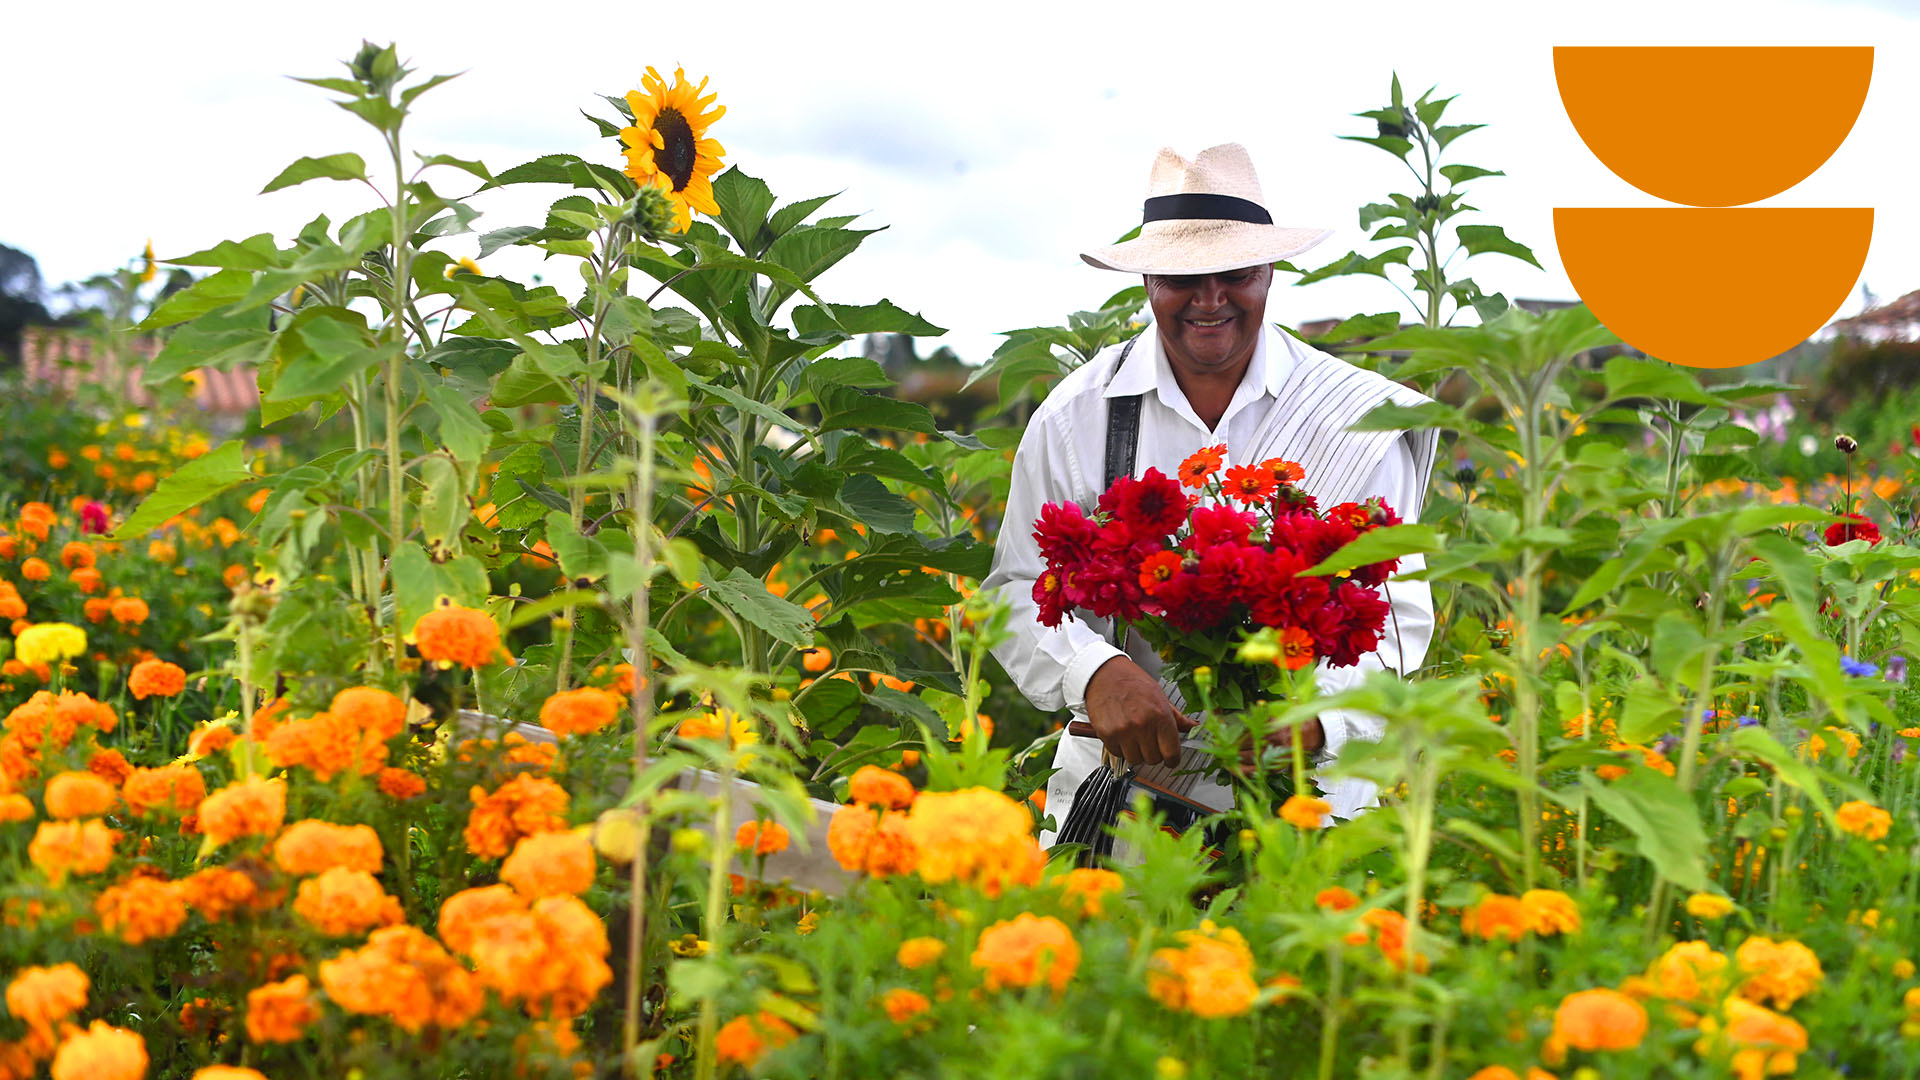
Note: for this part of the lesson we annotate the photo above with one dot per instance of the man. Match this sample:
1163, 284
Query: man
1210, 370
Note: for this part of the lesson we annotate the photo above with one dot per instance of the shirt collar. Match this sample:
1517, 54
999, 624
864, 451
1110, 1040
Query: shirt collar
1147, 370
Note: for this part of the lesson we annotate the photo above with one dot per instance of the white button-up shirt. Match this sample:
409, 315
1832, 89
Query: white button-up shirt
1062, 459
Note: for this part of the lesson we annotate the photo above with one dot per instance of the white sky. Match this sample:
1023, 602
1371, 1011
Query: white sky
996, 140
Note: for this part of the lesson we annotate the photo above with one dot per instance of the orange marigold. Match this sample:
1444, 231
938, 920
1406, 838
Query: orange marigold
902, 1005
340, 902
744, 1040
41, 997
314, 847
1027, 950
1304, 812
464, 913
1783, 972
15, 807
875, 786
401, 784
172, 789
228, 1072
111, 766
1599, 1019
75, 554
1495, 917
551, 864
210, 738
523, 806
452, 635
372, 710
254, 806
1082, 888
279, 1012
405, 976
1863, 819
1210, 975
579, 712
156, 678
919, 952
218, 891
141, 909
761, 837
552, 956
60, 848
976, 835
86, 579
36, 570
1549, 912
129, 610
101, 1052
79, 795
326, 744
1336, 898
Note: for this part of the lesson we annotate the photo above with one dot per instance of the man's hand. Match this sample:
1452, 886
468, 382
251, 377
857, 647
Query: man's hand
1132, 715
1311, 735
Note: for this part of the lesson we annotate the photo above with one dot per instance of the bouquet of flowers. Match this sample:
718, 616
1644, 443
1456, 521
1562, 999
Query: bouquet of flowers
1197, 572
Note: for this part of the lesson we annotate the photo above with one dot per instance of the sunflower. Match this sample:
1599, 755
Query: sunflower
667, 147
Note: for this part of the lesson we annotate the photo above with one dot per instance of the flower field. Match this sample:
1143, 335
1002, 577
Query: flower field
1649, 809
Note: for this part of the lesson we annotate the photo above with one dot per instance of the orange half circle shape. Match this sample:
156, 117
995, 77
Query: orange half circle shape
1713, 125
1713, 288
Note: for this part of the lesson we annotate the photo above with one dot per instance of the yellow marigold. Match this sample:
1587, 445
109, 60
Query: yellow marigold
761, 837
902, 1005
129, 610
156, 678
279, 1012
218, 891
111, 766
744, 1040
523, 806
254, 806
79, 795
1863, 819
313, 847
372, 710
401, 784
1305, 812
15, 807
1027, 950
405, 976
101, 1052
171, 789
340, 902
1709, 906
141, 909
875, 786
579, 712
465, 912
1209, 975
452, 635
1599, 1019
1549, 912
1783, 972
1495, 917
49, 643
1081, 889
551, 864
60, 848
919, 952
977, 836
41, 997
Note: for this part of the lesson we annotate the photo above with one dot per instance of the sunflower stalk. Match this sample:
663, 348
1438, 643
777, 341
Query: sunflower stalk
643, 433
399, 273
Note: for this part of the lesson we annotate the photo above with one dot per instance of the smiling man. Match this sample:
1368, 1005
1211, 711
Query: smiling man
1210, 371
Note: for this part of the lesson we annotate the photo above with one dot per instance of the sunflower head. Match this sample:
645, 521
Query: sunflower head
667, 147
654, 215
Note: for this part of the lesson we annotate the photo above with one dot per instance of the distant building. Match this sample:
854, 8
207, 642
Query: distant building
66, 360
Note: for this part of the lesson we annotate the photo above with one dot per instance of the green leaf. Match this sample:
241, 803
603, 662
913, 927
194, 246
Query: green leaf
1460, 174
867, 500
1648, 712
1757, 744
744, 202
331, 167
256, 252
419, 582
1359, 326
461, 428
1631, 377
1447, 133
810, 249
792, 214
1662, 818
339, 351
216, 340
210, 293
523, 383
192, 484
848, 407
1483, 239
491, 242
1352, 263
881, 318
747, 597
1378, 545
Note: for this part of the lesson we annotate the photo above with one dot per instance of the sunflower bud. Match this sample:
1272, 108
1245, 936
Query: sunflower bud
377, 69
1465, 476
1845, 444
652, 216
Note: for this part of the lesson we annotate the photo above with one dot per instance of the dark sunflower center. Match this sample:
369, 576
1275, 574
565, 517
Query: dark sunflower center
676, 158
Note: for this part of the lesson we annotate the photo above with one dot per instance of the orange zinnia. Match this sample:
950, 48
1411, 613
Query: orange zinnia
1250, 484
1283, 471
1296, 648
1157, 568
1201, 465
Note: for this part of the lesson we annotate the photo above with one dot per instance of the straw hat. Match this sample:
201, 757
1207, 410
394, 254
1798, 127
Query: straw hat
1202, 217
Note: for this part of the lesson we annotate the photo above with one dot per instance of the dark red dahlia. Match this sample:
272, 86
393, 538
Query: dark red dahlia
1151, 506
1852, 527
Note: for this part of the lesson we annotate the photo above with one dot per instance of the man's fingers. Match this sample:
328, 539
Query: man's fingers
1169, 742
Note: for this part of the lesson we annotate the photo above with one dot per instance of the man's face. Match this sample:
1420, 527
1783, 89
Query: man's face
1209, 323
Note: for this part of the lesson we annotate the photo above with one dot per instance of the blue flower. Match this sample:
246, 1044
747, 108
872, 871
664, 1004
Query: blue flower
1749, 721
1857, 668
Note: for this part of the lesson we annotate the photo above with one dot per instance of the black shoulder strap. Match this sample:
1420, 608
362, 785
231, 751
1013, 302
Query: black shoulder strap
1123, 426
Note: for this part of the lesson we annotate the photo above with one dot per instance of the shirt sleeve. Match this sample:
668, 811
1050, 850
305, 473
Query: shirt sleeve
1403, 641
1050, 665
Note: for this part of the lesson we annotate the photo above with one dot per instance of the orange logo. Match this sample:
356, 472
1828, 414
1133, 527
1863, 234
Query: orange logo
1713, 284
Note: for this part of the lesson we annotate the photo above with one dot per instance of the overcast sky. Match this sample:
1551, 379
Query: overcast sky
995, 141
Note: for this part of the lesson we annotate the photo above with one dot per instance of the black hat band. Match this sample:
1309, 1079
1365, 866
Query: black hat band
1194, 205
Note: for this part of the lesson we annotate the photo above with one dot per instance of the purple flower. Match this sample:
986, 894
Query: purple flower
1749, 721
1896, 668
1857, 668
